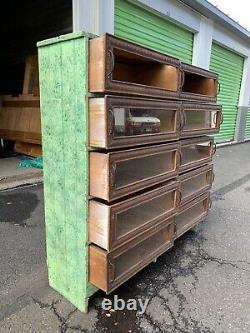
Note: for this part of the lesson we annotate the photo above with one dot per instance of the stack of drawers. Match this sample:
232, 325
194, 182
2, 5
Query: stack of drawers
150, 162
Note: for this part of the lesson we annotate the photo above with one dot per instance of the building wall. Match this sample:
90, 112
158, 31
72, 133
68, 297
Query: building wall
101, 19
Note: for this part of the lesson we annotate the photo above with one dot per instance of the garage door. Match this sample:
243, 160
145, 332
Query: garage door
143, 27
229, 66
247, 130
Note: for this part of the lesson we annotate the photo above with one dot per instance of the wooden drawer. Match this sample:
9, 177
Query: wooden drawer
110, 226
198, 84
107, 271
116, 174
200, 119
121, 121
119, 66
196, 152
192, 213
196, 182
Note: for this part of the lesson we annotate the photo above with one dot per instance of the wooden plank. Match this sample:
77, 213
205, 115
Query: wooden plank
29, 149
31, 76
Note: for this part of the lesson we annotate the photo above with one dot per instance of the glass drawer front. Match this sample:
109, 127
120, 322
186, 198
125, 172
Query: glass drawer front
195, 152
194, 184
138, 169
200, 120
139, 121
140, 215
190, 216
138, 253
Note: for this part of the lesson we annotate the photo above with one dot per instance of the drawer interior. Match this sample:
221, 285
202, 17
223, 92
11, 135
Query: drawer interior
194, 184
198, 84
195, 152
135, 217
137, 169
191, 215
200, 119
138, 121
132, 68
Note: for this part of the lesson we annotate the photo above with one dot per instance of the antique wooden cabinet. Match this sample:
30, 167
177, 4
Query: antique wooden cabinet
118, 121
195, 182
122, 67
198, 84
123, 174
191, 213
200, 119
120, 173
196, 152
111, 226
108, 270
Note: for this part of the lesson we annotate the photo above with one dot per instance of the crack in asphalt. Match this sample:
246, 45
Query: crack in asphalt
183, 322
63, 321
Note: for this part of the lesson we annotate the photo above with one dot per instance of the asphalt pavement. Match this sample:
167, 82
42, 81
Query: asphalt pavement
201, 285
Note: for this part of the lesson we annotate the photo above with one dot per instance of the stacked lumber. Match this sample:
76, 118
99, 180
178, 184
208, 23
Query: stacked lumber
20, 119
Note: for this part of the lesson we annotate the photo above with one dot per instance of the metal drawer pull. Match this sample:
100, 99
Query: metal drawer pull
112, 61
214, 148
111, 122
112, 174
218, 88
210, 203
111, 271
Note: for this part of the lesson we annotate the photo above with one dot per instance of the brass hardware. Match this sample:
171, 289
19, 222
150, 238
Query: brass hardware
112, 62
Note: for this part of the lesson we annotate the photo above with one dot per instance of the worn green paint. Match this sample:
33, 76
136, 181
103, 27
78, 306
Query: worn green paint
146, 28
229, 66
63, 97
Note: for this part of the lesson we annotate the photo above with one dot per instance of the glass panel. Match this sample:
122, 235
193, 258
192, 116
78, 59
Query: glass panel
197, 120
190, 216
135, 217
195, 152
135, 121
141, 168
141, 251
193, 185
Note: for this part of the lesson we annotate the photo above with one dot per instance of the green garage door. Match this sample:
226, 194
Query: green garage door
143, 27
229, 66
247, 130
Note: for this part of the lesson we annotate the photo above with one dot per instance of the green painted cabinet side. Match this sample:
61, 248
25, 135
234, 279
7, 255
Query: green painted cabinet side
63, 72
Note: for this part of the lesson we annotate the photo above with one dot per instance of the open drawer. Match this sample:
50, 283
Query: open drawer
196, 182
198, 84
200, 119
196, 152
192, 213
116, 174
119, 66
116, 121
107, 270
110, 226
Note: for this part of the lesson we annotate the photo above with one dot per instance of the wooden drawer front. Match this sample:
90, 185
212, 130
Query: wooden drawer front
198, 84
200, 119
107, 271
192, 213
122, 122
196, 182
116, 65
112, 226
116, 174
196, 152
